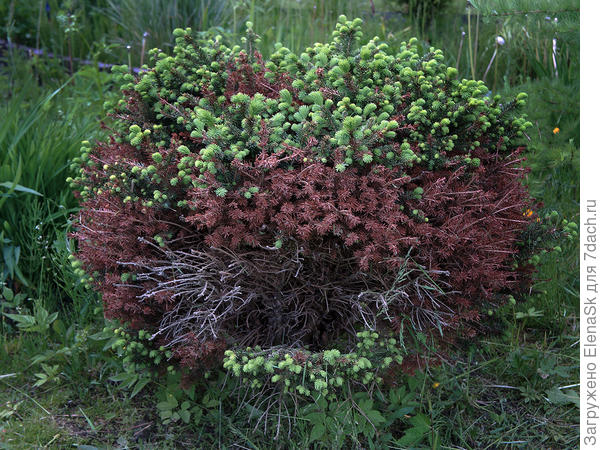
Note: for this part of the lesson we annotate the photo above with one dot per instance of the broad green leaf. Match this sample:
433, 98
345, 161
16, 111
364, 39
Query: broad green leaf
317, 432
365, 404
559, 397
8, 294
17, 187
413, 436
141, 383
375, 416
185, 416
52, 317
164, 407
123, 376
172, 400
23, 320
209, 402
420, 420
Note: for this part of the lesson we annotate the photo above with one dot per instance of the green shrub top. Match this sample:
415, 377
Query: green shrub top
351, 105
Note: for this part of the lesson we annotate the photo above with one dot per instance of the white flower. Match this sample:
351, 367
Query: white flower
500, 40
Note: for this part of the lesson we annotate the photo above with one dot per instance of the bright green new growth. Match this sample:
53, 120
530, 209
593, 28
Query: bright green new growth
313, 373
363, 104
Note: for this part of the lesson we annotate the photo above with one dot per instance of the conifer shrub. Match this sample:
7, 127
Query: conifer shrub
293, 201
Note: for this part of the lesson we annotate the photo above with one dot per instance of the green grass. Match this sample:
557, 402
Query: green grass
514, 387
41, 132
61, 418
104, 29
503, 396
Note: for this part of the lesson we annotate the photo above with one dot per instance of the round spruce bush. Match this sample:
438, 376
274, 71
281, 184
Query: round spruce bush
292, 202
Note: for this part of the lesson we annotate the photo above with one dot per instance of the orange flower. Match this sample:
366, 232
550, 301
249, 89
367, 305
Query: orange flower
556, 130
528, 213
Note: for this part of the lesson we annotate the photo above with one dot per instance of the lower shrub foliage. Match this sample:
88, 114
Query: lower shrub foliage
286, 205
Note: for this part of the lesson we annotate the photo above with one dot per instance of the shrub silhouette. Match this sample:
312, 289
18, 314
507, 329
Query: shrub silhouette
295, 200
